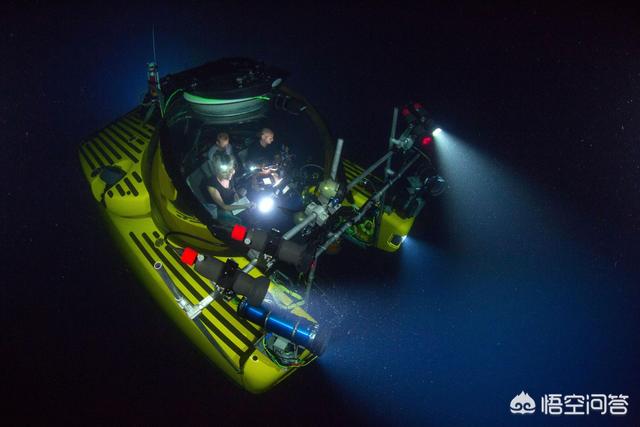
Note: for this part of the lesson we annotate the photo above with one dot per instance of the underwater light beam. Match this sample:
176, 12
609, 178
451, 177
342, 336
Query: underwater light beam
487, 201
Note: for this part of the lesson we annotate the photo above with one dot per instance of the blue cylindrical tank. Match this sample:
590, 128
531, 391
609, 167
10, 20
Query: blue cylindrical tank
294, 328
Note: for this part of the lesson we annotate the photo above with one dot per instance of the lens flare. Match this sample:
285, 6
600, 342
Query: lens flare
266, 204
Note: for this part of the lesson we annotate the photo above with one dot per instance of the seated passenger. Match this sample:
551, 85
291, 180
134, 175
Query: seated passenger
264, 155
222, 191
221, 145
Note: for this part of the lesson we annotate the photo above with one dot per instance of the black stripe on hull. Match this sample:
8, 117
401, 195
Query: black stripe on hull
102, 152
109, 140
139, 122
86, 158
94, 155
221, 336
245, 322
115, 153
137, 126
165, 261
246, 341
133, 134
123, 138
142, 249
207, 286
358, 170
225, 305
131, 187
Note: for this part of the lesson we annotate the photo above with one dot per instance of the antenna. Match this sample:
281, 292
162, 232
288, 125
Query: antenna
153, 36
153, 81
152, 72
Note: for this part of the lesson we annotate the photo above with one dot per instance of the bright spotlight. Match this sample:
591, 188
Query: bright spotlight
265, 204
436, 132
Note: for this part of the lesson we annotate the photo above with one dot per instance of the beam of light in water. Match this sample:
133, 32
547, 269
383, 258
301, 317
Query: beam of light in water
379, 352
430, 326
489, 206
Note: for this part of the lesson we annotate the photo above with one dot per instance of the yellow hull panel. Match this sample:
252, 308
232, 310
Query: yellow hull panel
128, 212
391, 226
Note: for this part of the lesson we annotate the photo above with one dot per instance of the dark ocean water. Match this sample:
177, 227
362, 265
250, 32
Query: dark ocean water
523, 276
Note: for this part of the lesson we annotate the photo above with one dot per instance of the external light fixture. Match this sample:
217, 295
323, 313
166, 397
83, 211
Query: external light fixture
426, 140
266, 204
436, 132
